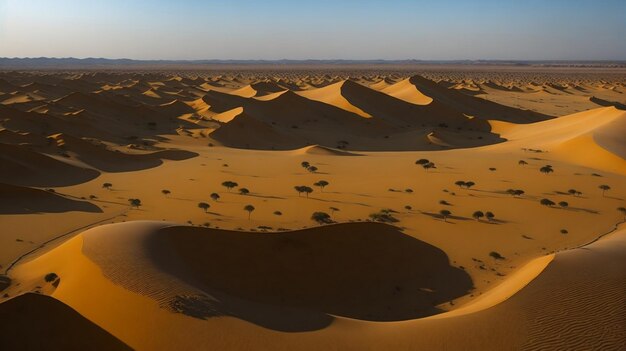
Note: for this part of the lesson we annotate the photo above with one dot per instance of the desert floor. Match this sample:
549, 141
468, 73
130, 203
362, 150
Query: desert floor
382, 155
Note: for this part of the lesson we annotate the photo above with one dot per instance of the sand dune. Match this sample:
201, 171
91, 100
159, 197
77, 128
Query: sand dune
21, 166
332, 95
102, 158
245, 131
602, 102
408, 92
270, 276
593, 137
323, 150
473, 106
22, 200
34, 321
162, 262
297, 117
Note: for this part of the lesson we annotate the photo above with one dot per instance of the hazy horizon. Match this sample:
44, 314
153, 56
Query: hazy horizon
323, 30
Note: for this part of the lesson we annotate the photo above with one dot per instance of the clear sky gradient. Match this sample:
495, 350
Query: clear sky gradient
315, 29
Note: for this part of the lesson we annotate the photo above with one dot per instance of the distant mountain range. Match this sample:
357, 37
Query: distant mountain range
7, 63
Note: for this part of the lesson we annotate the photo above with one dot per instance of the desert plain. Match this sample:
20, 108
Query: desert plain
313, 209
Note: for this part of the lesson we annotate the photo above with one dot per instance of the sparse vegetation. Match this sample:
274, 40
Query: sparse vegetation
515, 192
303, 189
622, 210
249, 209
321, 217
496, 255
333, 210
165, 192
463, 184
563, 204
384, 216
490, 216
547, 202
428, 166
522, 163
215, 196
321, 184
312, 169
205, 206
107, 186
50, 277
547, 169
604, 188
134, 203
445, 214
244, 191
229, 185
477, 215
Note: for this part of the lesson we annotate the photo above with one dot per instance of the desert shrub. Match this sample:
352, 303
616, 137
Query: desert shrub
50, 277
496, 255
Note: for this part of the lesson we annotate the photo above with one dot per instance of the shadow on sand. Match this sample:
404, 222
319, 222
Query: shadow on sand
295, 281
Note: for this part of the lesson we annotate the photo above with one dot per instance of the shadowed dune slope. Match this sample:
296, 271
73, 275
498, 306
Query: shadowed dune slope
98, 156
246, 131
21, 166
474, 106
23, 200
296, 121
407, 91
348, 269
39, 322
281, 281
602, 102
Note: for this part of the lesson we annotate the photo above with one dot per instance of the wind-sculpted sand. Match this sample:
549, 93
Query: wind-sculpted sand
312, 210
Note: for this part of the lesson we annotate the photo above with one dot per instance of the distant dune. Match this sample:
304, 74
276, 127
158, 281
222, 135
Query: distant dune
22, 200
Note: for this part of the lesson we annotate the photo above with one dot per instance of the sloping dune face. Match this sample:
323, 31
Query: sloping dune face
345, 270
588, 285
379, 113
345, 114
22, 200
407, 91
206, 280
22, 166
36, 322
473, 106
328, 269
332, 95
593, 137
260, 265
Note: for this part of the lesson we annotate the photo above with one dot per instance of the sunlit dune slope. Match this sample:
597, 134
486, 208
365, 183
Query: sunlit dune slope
259, 288
594, 137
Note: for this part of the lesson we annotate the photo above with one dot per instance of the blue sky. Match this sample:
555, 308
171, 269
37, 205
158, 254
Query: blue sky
322, 29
